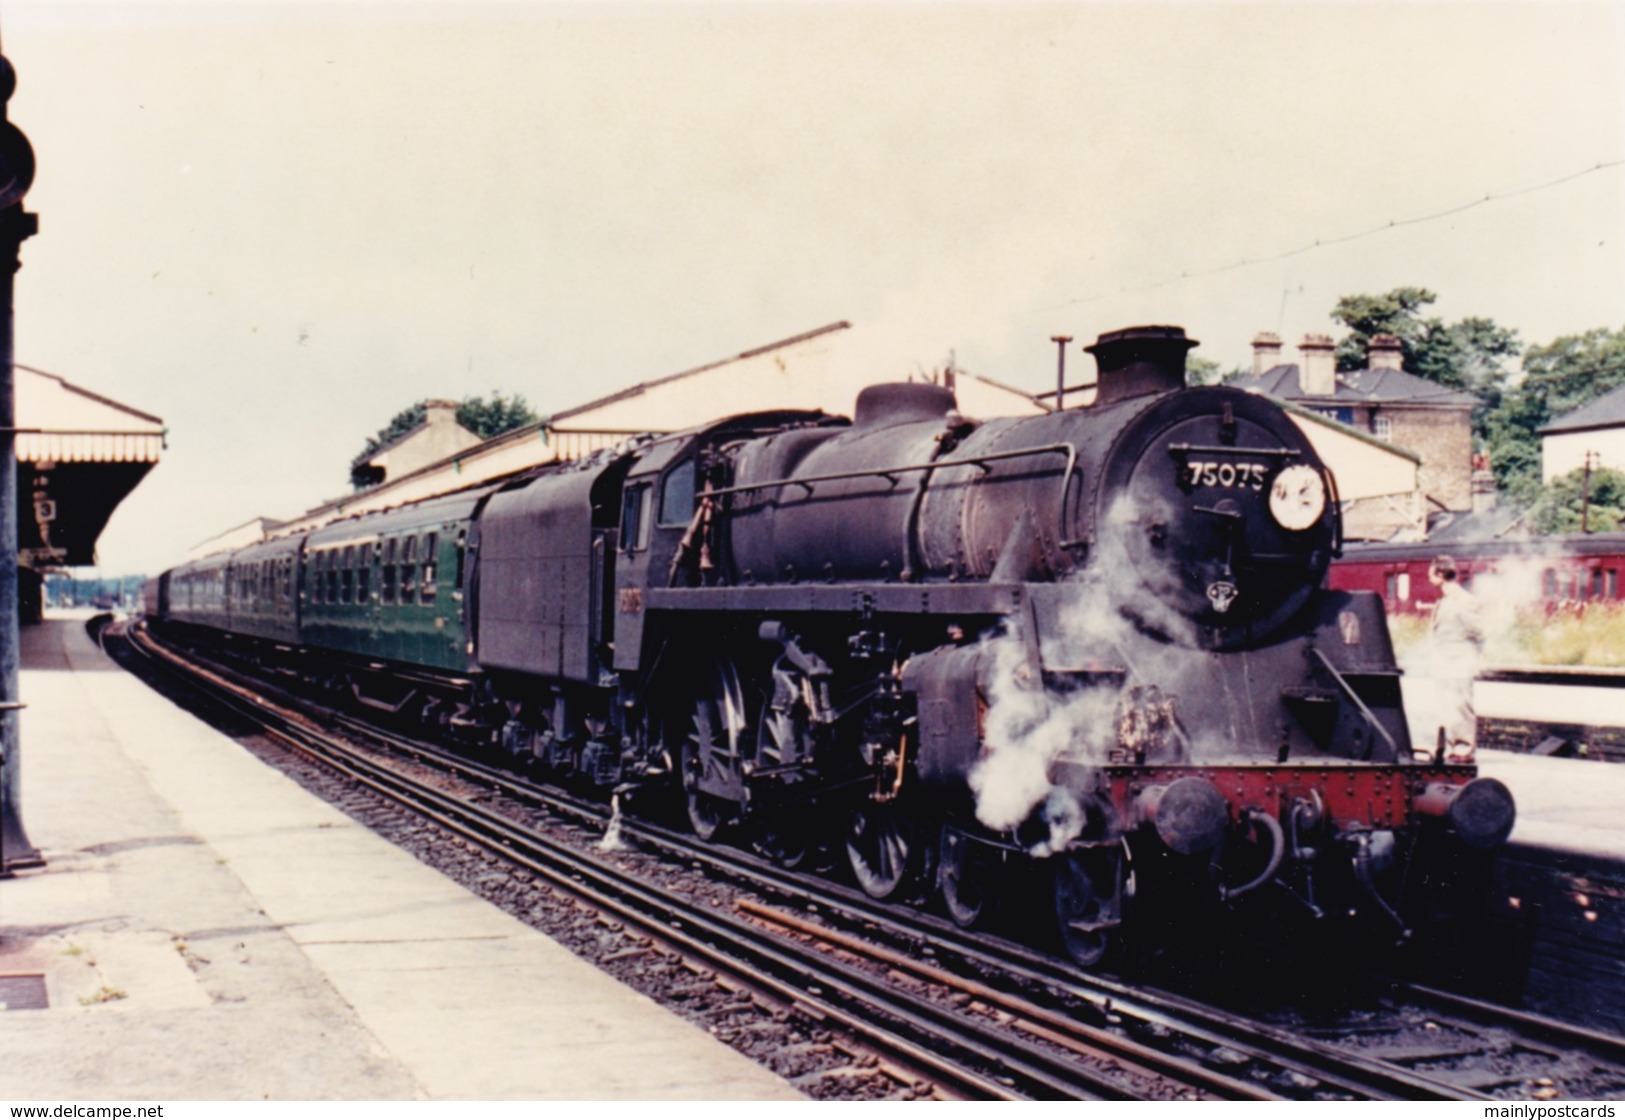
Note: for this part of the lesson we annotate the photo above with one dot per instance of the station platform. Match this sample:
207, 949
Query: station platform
1565, 804
204, 929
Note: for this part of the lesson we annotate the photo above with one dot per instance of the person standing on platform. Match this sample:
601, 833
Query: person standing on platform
1458, 639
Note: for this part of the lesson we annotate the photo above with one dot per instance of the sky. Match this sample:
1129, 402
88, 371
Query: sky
276, 224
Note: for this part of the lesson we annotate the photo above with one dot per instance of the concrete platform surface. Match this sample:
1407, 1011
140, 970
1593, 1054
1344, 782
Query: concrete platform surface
206, 930
1568, 804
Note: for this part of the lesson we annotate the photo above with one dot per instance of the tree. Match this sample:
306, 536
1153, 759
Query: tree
1567, 503
1470, 356
490, 418
1206, 371
1558, 378
1394, 312
486, 418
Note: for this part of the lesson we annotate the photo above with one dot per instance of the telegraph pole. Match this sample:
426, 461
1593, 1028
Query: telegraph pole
16, 226
1592, 459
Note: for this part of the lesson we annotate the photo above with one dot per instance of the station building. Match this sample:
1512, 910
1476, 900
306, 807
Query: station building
819, 369
1394, 413
1594, 433
813, 370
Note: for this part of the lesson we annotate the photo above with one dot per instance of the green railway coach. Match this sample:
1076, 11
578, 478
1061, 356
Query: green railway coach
390, 586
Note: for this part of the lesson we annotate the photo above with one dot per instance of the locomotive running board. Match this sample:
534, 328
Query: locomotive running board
859, 598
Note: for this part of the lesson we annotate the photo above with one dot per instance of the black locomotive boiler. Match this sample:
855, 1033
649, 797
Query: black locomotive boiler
1093, 645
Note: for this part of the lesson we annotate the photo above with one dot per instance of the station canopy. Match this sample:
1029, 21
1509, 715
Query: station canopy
78, 456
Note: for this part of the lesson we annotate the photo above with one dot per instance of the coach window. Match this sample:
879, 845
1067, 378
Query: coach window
363, 572
1612, 583
635, 518
386, 589
332, 566
430, 544
409, 573
347, 576
677, 494
1403, 584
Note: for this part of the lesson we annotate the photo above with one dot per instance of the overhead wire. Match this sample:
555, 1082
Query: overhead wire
1248, 262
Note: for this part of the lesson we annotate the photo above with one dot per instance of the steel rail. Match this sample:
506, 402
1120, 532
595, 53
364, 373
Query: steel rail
569, 874
1610, 1048
1336, 1068
841, 993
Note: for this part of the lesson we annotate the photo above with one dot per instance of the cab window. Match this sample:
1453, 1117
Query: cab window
677, 494
635, 518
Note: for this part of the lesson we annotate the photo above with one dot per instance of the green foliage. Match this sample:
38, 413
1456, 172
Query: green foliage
485, 417
1567, 503
1576, 369
1206, 371
490, 418
1395, 312
1558, 378
1470, 356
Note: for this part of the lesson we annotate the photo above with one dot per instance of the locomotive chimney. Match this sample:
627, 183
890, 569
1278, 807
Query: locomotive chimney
1139, 361
1317, 376
1266, 352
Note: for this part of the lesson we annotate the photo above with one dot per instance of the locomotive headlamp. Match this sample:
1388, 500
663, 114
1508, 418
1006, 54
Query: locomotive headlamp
1298, 497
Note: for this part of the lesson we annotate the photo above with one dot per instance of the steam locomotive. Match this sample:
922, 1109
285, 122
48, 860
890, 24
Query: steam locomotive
1089, 649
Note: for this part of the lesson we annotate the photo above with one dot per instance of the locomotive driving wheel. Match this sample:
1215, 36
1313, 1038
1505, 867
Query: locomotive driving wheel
781, 739
710, 751
964, 877
882, 850
1089, 902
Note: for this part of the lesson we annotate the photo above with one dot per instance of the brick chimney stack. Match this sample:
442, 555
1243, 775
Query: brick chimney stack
1385, 352
1317, 373
1266, 352
437, 414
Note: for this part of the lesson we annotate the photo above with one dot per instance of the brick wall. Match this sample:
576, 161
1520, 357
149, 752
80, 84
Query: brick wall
1444, 440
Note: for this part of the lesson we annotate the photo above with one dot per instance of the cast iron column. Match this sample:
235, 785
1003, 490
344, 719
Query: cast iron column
16, 176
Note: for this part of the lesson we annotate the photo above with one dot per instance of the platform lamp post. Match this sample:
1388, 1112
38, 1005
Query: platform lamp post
16, 225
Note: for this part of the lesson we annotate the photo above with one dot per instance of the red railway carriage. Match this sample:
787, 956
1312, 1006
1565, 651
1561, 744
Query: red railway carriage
1557, 570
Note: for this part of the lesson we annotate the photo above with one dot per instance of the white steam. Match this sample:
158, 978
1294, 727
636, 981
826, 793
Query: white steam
1431, 668
1030, 728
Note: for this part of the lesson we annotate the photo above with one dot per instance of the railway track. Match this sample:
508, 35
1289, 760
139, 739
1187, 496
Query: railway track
967, 1017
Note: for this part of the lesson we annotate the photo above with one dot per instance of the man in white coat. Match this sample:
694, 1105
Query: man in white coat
1458, 638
